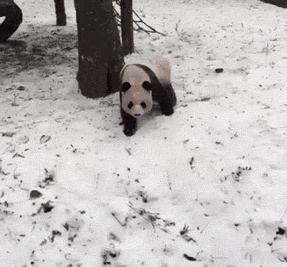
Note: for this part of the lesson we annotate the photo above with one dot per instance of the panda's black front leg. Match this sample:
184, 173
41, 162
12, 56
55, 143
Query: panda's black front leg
129, 122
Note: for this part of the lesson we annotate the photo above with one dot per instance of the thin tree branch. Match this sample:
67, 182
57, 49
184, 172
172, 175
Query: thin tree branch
145, 28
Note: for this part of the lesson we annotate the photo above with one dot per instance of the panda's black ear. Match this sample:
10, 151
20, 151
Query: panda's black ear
147, 85
126, 86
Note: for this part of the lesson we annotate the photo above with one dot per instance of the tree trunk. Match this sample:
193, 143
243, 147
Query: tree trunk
60, 12
100, 59
280, 3
127, 26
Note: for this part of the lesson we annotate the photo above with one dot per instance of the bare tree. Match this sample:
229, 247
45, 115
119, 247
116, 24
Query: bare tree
280, 3
60, 12
127, 26
100, 56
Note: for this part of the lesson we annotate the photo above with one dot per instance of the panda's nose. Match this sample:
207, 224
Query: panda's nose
137, 114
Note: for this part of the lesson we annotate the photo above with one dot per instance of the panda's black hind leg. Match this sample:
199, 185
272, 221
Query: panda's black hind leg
166, 98
166, 108
129, 122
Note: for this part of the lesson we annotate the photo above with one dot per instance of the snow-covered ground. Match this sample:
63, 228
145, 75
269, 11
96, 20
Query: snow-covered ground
205, 187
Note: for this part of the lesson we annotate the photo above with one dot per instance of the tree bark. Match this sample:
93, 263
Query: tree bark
60, 12
280, 3
100, 59
127, 26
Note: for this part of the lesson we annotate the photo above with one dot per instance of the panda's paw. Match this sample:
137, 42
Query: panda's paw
129, 131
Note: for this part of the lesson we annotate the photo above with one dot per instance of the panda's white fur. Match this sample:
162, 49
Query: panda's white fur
145, 80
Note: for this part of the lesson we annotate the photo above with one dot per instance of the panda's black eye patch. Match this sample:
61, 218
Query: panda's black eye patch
147, 85
143, 104
126, 86
130, 105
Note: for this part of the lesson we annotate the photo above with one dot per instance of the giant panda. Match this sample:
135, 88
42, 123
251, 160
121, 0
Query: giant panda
141, 84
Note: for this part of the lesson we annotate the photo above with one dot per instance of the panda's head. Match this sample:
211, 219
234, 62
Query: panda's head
136, 91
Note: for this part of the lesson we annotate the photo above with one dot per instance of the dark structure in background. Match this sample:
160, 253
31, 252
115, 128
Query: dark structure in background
99, 48
280, 3
13, 18
60, 13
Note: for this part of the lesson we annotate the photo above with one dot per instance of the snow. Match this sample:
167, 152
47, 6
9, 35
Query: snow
204, 187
